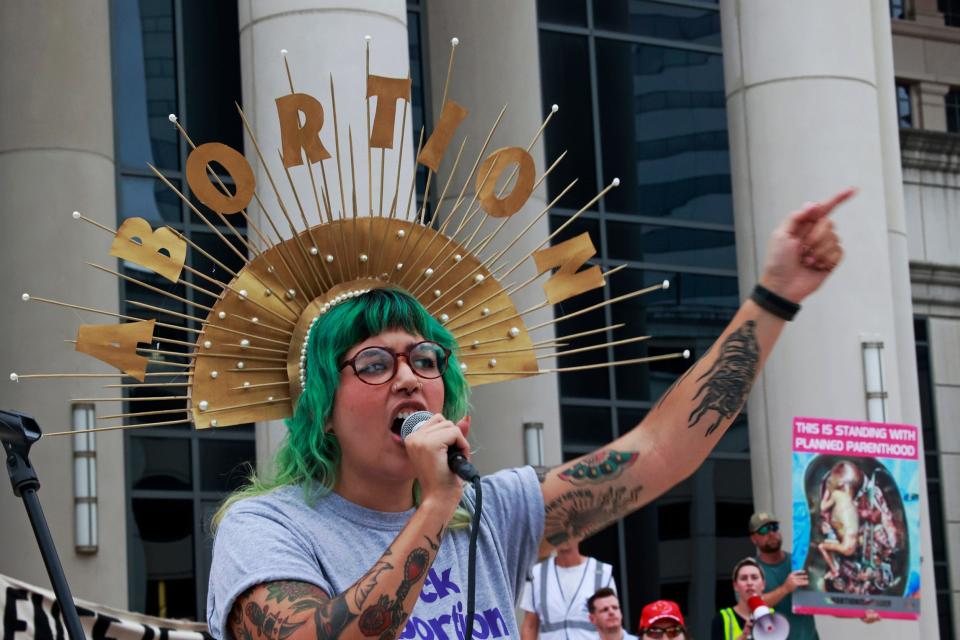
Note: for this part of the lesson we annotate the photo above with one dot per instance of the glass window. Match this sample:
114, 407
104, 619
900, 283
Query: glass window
951, 12
659, 20
569, 12
640, 90
663, 125
904, 106
173, 56
952, 102
145, 83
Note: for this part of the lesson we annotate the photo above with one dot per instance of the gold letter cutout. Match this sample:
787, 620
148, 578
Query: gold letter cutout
294, 137
387, 92
501, 159
116, 344
235, 164
569, 255
433, 152
146, 253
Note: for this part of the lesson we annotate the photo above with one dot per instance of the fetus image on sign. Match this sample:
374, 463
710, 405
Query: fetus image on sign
858, 540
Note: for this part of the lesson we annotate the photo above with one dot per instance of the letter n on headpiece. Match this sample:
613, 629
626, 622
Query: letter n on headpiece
569, 256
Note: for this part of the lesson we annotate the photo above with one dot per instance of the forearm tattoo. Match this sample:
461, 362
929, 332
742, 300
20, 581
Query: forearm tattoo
601, 466
579, 513
727, 382
383, 619
251, 619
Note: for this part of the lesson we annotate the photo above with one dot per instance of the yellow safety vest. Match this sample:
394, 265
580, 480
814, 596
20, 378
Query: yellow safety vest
731, 624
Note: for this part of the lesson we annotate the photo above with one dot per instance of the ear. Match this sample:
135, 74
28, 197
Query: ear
465, 426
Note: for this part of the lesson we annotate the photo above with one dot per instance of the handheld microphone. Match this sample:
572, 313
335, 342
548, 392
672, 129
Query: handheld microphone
455, 459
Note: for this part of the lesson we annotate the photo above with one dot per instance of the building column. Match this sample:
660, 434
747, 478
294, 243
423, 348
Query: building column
932, 105
806, 87
56, 156
497, 63
322, 37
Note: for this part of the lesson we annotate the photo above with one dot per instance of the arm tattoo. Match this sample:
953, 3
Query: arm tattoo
579, 513
383, 619
434, 545
366, 584
729, 379
330, 617
599, 467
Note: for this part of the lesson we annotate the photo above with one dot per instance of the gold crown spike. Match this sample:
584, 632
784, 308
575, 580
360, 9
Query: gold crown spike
245, 363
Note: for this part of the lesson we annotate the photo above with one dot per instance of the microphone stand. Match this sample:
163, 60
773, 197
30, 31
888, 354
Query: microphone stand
18, 432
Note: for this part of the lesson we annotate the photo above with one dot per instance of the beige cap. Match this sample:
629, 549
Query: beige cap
759, 519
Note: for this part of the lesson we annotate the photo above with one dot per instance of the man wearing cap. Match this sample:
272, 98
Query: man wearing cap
604, 611
662, 619
765, 535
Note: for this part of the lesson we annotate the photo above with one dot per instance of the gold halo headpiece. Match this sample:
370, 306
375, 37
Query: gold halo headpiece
244, 364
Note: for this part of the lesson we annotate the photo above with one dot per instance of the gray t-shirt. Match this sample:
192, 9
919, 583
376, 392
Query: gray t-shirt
278, 536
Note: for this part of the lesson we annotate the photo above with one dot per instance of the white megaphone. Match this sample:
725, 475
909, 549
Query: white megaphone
767, 624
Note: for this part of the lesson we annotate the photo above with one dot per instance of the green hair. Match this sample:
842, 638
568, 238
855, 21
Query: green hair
310, 454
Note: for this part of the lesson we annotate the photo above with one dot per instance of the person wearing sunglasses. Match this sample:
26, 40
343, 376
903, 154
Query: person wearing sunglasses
662, 619
781, 581
604, 611
360, 533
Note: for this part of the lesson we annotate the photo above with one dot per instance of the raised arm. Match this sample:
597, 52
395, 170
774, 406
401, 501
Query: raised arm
587, 494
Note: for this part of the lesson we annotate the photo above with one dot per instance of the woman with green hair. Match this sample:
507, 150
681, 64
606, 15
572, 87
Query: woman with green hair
359, 534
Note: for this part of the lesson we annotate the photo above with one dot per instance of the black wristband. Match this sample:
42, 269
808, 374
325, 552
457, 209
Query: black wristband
777, 305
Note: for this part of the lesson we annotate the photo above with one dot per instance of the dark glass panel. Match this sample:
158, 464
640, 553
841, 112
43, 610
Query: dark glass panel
160, 463
586, 426
664, 131
569, 12
904, 108
149, 199
211, 50
145, 83
161, 558
565, 78
658, 20
671, 246
641, 534
952, 102
219, 250
590, 383
627, 419
225, 465
673, 519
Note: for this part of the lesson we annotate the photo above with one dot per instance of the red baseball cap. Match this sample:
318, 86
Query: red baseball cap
658, 611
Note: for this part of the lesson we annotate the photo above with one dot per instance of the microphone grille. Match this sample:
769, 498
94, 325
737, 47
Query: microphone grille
413, 422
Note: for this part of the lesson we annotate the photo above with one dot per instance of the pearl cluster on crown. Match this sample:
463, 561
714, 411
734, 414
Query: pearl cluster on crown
343, 297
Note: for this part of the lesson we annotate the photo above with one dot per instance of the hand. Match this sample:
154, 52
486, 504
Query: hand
870, 616
427, 448
795, 580
804, 250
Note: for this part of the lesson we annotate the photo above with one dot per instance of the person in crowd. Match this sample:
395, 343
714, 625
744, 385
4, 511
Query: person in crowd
361, 533
606, 617
662, 619
736, 623
555, 595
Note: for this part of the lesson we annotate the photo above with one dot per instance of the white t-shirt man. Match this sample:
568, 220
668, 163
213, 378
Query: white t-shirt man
558, 597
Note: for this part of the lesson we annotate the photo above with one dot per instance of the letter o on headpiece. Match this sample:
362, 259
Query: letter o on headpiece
234, 163
500, 160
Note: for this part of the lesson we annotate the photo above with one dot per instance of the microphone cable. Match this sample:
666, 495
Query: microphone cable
472, 556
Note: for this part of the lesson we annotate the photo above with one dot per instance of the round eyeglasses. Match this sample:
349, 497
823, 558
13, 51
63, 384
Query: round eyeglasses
377, 365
